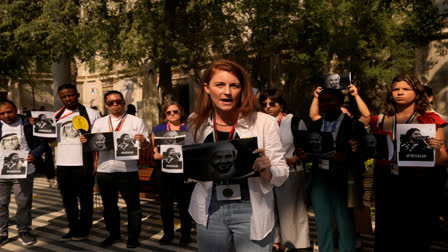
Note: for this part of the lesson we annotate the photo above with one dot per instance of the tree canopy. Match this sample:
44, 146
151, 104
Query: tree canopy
282, 43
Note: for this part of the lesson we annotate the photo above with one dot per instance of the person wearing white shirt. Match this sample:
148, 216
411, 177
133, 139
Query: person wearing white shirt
225, 105
119, 175
12, 123
292, 215
74, 175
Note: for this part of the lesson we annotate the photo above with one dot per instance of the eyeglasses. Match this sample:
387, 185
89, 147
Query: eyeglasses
271, 104
118, 102
174, 112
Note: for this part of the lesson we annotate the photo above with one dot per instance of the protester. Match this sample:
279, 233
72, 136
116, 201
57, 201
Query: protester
75, 177
293, 230
11, 122
329, 175
227, 106
353, 91
172, 185
119, 176
405, 196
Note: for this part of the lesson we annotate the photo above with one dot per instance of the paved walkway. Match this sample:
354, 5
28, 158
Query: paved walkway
49, 224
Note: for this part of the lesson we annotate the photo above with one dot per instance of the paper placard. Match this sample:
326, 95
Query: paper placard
44, 124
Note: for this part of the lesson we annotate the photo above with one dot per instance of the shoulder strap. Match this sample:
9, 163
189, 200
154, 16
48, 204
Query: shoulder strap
58, 115
83, 113
295, 123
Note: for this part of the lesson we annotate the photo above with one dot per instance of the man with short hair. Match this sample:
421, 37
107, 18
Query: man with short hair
117, 175
13, 124
75, 177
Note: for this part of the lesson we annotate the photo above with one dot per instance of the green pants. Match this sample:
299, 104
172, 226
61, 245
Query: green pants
329, 199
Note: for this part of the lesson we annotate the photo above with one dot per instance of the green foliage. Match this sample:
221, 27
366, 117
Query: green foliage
375, 39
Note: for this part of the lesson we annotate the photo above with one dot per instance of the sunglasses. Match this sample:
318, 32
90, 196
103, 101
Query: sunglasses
174, 112
118, 102
271, 104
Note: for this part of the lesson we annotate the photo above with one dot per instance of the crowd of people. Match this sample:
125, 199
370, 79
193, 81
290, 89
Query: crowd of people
296, 166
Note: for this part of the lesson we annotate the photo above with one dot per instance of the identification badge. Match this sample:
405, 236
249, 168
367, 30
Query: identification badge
394, 169
324, 164
228, 192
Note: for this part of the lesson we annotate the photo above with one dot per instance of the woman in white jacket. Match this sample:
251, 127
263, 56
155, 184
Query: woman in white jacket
226, 110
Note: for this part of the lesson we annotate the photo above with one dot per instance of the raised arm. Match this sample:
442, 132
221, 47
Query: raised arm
314, 108
362, 107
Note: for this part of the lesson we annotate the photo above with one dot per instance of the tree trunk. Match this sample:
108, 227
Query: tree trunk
150, 106
165, 82
61, 75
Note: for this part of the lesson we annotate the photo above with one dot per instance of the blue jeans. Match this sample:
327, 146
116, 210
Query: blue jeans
23, 191
228, 230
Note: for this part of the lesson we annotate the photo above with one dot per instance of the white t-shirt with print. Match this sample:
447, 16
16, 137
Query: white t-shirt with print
16, 128
69, 149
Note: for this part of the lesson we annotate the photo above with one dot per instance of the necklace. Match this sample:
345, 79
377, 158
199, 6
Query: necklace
224, 125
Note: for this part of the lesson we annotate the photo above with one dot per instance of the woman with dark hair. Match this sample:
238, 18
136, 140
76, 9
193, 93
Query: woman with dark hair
227, 109
292, 229
405, 195
172, 185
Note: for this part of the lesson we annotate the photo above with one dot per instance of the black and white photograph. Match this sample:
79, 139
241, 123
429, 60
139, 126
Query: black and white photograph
99, 142
169, 137
67, 134
125, 146
13, 164
10, 141
172, 161
44, 124
217, 161
319, 144
337, 80
377, 146
413, 145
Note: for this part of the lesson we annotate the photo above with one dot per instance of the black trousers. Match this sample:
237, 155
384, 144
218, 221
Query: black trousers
128, 185
171, 186
404, 208
75, 183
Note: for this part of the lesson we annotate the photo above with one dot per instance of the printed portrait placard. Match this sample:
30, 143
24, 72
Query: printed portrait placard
413, 145
13, 164
125, 147
99, 142
223, 160
44, 124
172, 161
171, 137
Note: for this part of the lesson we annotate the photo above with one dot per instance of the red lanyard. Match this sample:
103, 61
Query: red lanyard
231, 135
120, 123
280, 119
63, 107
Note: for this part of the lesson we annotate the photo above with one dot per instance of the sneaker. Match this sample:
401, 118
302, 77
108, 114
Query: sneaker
166, 239
27, 239
110, 241
3, 240
133, 244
